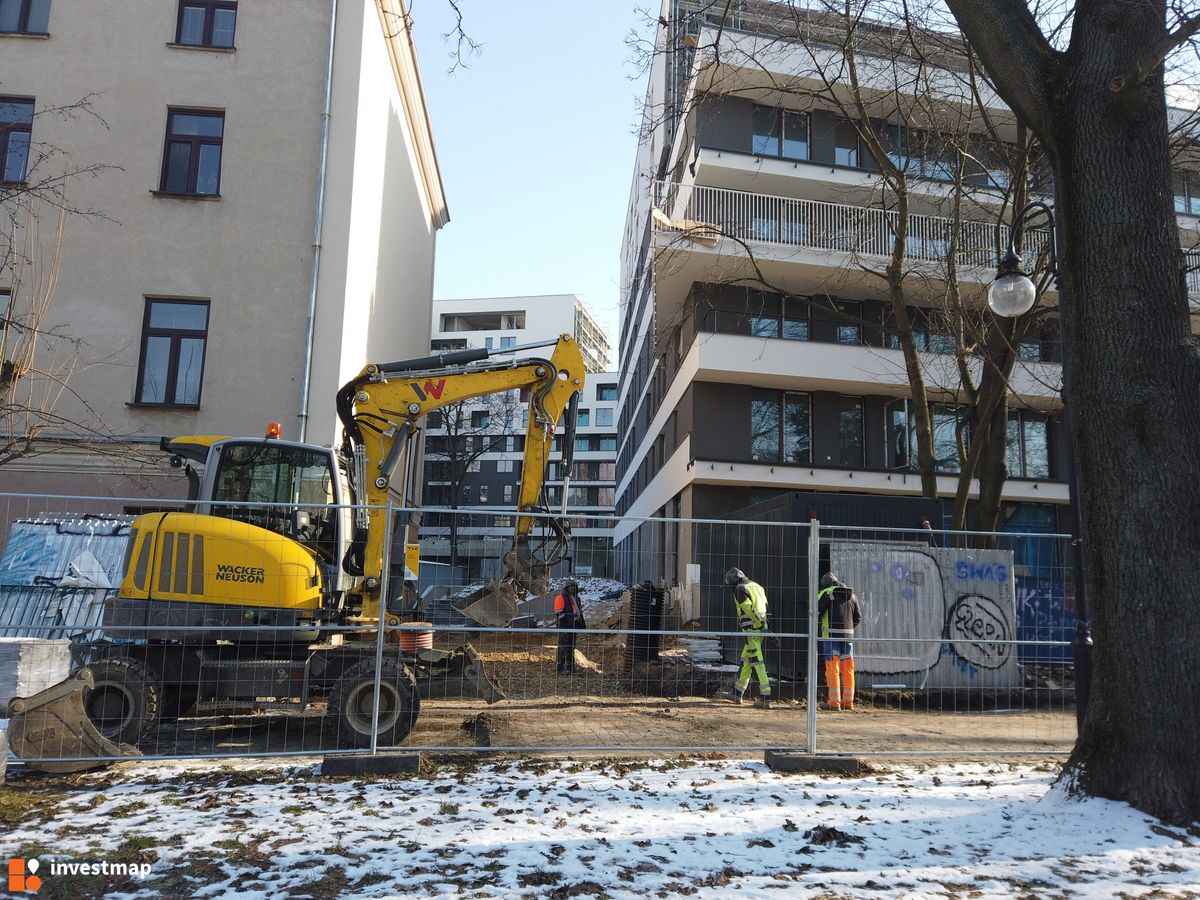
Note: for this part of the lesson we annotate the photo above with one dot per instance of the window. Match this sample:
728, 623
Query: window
849, 332
780, 427
604, 418
583, 445
583, 418
508, 493
779, 132
608, 444
24, 16
191, 161
507, 341
851, 451
484, 321
902, 437
606, 392
206, 23
607, 472
1187, 192
845, 145
174, 335
489, 343
192, 158
16, 131
479, 418
5, 304
772, 315
504, 465
1028, 453
483, 493
435, 420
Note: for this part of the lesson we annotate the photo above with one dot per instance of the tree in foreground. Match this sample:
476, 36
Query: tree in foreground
1095, 100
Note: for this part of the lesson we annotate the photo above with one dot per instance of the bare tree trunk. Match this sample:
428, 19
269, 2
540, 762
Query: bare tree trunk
1132, 382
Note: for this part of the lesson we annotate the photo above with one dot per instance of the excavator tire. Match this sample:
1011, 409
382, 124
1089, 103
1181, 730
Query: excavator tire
353, 696
125, 700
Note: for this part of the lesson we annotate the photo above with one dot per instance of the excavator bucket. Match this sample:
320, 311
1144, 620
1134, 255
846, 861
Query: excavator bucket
52, 732
493, 605
454, 674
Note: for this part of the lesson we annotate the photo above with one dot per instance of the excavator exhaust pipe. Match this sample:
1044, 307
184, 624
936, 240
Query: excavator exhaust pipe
51, 730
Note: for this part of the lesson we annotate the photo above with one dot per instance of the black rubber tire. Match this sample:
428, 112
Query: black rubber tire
124, 702
353, 695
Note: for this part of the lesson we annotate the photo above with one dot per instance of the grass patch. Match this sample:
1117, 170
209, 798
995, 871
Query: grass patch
448, 809
125, 810
293, 810
21, 805
329, 886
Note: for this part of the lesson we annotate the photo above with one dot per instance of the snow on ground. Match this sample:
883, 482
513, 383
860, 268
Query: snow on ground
612, 828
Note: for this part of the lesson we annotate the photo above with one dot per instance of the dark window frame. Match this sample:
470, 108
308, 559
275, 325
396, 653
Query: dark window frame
775, 141
7, 129
603, 395
5, 307
860, 407
23, 19
195, 143
1024, 418
176, 335
781, 399
209, 7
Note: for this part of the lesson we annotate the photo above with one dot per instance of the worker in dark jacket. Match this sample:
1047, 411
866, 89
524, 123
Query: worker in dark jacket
570, 616
839, 614
750, 600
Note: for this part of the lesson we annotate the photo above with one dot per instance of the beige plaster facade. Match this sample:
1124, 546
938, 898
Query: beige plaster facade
249, 251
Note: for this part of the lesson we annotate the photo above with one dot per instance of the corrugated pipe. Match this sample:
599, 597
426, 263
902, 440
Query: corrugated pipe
310, 329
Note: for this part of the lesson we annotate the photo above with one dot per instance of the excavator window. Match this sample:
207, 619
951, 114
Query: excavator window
298, 479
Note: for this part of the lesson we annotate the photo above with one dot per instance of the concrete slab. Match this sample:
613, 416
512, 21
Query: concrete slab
794, 761
366, 764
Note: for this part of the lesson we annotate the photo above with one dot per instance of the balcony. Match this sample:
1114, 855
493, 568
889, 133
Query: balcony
706, 217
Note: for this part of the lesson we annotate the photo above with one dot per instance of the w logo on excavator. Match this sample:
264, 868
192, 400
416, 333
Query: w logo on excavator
430, 389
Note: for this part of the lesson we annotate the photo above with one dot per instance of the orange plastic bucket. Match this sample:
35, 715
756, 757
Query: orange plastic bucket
416, 636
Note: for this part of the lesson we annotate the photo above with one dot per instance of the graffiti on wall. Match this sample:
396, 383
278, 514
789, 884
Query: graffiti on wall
932, 616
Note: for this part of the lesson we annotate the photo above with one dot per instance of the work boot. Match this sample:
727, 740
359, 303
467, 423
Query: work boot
735, 697
763, 703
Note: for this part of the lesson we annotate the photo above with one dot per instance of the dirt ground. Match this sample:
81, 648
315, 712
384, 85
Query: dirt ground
601, 708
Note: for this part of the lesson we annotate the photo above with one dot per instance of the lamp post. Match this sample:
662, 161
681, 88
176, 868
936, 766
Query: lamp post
1012, 294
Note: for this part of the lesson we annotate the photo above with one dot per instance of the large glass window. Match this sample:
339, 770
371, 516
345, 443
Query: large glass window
16, 131
902, 437
192, 157
24, 16
779, 132
604, 418
849, 332
1187, 192
583, 418
606, 392
1028, 453
780, 427
206, 23
851, 451
174, 335
763, 314
846, 151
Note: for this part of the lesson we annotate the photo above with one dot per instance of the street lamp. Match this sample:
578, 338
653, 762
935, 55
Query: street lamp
1010, 295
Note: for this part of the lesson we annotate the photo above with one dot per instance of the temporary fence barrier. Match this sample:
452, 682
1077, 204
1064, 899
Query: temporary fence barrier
963, 646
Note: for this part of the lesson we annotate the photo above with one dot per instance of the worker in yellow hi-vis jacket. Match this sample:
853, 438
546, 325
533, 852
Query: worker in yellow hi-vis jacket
751, 603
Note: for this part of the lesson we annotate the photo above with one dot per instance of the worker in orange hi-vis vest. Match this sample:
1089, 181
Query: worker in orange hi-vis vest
839, 612
570, 618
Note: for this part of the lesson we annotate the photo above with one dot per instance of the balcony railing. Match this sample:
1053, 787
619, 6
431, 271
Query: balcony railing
857, 230
818, 225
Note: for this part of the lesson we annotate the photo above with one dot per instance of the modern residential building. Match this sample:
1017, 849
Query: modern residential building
264, 199
754, 356
473, 454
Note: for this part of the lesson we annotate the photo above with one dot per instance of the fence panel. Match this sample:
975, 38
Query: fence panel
963, 646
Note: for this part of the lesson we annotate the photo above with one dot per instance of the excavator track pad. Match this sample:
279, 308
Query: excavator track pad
50, 730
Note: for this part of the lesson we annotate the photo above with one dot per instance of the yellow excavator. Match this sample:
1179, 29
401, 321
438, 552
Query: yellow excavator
271, 584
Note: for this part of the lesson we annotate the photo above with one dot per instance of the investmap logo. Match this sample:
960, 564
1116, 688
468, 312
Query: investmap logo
23, 877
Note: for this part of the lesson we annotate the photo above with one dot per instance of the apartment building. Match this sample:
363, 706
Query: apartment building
473, 454
755, 355
264, 199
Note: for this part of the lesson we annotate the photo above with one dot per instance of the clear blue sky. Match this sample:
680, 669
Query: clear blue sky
536, 143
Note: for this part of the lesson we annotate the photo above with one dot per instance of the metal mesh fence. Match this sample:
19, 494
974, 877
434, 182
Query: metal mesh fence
235, 632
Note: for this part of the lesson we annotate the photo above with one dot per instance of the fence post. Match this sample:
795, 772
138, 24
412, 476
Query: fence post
814, 565
384, 579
